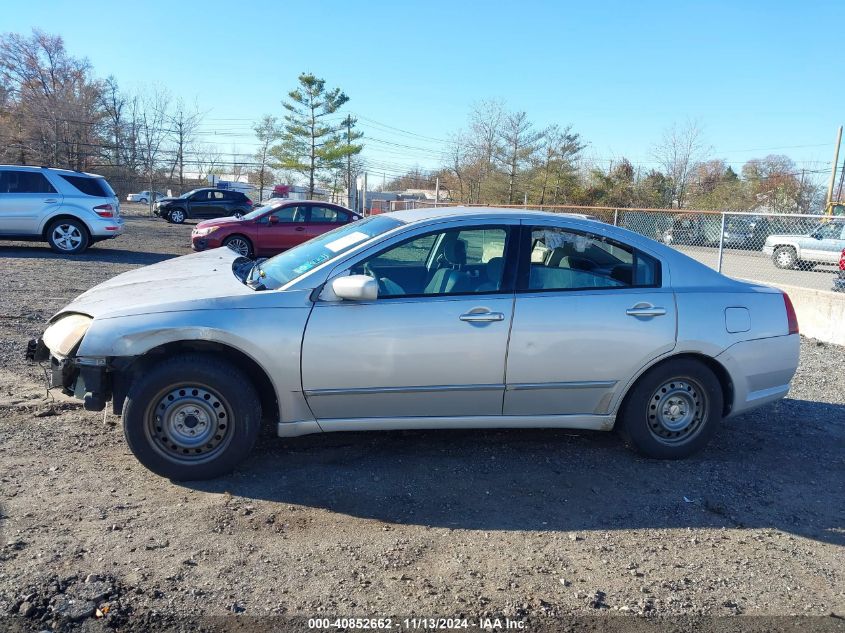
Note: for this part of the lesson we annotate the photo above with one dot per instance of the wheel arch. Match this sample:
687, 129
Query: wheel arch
721, 372
243, 236
267, 395
48, 222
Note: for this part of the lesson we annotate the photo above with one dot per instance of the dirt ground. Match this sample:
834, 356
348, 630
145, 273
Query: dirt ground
527, 525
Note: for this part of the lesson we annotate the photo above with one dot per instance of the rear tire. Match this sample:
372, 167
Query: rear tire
240, 244
68, 237
673, 410
785, 257
143, 201
191, 417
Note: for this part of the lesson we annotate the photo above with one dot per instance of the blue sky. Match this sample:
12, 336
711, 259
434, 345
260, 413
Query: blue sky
761, 77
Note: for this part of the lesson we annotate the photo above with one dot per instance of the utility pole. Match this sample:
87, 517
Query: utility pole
833, 170
525, 199
364, 195
800, 193
437, 191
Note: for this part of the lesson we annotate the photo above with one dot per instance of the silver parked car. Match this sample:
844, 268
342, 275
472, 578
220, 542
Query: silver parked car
822, 245
144, 196
427, 318
70, 210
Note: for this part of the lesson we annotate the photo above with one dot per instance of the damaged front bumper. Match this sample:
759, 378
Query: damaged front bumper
86, 378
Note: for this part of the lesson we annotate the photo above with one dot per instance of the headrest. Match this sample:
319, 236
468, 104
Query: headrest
495, 267
456, 252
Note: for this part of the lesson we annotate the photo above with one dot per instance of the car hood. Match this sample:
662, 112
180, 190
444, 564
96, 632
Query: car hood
198, 281
229, 219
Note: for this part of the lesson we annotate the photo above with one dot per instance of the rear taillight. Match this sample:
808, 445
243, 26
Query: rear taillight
791, 319
842, 260
104, 210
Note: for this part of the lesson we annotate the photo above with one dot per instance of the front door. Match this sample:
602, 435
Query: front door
432, 345
589, 314
25, 197
284, 228
825, 244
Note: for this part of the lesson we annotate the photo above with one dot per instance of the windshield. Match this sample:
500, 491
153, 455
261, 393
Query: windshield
264, 208
287, 266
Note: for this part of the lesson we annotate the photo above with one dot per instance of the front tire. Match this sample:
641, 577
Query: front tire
177, 216
191, 417
673, 410
68, 237
785, 257
240, 244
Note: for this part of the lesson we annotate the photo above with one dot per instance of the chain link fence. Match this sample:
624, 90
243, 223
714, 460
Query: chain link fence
791, 249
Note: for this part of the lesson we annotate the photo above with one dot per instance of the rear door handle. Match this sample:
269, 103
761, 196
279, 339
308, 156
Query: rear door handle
299, 228
482, 317
50, 201
645, 310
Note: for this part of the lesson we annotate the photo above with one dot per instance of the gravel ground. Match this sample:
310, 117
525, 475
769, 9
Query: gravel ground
529, 525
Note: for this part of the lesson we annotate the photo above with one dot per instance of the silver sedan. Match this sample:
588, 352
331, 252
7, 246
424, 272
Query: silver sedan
431, 318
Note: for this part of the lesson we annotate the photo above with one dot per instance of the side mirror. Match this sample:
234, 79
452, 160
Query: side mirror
273, 219
355, 288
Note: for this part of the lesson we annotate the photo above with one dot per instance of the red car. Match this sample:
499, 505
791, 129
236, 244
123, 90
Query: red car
271, 228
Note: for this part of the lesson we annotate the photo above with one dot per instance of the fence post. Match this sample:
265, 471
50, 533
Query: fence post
616, 217
721, 242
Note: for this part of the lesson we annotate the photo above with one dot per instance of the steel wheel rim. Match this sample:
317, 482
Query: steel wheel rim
188, 424
676, 410
67, 237
785, 258
239, 246
177, 216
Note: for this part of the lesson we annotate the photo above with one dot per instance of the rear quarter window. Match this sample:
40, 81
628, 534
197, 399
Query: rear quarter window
96, 187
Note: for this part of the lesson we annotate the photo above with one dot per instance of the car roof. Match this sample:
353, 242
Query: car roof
71, 172
411, 216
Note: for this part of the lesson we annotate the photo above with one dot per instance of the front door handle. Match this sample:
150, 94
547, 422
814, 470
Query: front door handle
299, 228
645, 310
482, 317
50, 201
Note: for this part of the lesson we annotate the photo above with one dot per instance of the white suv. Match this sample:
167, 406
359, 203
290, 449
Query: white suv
70, 210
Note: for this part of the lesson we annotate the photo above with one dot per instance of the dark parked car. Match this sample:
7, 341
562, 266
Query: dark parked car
274, 227
203, 203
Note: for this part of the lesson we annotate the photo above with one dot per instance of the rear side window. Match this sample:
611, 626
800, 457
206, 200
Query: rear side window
96, 187
568, 260
14, 181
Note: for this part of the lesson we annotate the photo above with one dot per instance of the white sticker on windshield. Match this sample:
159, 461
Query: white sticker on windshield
346, 241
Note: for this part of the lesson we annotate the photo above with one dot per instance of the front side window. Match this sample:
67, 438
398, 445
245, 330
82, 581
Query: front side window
451, 262
567, 260
14, 181
288, 214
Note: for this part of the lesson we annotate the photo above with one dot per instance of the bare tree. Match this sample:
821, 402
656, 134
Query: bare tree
678, 153
486, 119
153, 133
267, 131
209, 160
183, 130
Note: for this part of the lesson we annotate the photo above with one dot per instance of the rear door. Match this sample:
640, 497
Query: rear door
589, 313
323, 218
25, 197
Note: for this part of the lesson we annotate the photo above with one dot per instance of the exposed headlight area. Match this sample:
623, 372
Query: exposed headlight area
205, 231
65, 334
